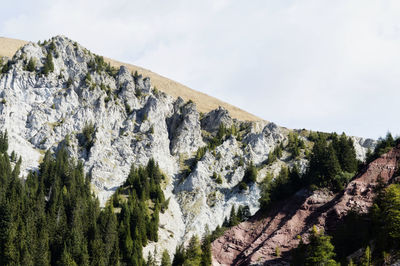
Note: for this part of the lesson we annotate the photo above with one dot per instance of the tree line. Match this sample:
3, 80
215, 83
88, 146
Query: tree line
53, 218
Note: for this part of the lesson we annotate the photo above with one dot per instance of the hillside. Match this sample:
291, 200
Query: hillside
57, 95
288, 221
204, 102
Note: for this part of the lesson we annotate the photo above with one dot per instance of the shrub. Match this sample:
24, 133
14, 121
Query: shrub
88, 79
214, 176
6, 67
128, 108
250, 174
155, 91
86, 138
138, 92
31, 65
48, 65
243, 186
200, 153
69, 82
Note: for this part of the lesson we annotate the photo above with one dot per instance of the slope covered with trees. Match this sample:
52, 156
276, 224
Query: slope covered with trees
340, 211
52, 218
332, 164
379, 228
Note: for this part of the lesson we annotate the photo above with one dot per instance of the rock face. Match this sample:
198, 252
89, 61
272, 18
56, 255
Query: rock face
130, 122
255, 241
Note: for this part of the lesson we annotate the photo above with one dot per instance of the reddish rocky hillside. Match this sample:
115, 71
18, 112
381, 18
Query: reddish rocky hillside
255, 241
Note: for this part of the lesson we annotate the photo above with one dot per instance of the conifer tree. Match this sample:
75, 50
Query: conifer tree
31, 65
165, 259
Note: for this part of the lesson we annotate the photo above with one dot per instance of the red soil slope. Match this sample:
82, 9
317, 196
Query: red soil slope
255, 241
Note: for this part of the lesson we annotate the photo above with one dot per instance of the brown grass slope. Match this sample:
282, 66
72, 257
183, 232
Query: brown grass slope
204, 102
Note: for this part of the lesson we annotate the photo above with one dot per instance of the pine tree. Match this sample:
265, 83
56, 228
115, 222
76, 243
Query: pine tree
324, 165
346, 154
250, 174
31, 65
66, 258
48, 65
193, 252
233, 219
165, 259
179, 257
366, 260
3, 142
206, 250
320, 251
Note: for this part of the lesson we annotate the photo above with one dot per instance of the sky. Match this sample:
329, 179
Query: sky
316, 64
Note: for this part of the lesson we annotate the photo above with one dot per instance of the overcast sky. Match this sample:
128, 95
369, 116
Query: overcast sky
322, 65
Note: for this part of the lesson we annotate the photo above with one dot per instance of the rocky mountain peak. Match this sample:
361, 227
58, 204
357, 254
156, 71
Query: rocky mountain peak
215, 118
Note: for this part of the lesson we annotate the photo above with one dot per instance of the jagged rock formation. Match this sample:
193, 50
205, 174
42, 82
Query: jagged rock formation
205, 103
111, 118
255, 241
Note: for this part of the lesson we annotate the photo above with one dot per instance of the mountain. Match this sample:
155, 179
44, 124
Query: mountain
213, 155
204, 102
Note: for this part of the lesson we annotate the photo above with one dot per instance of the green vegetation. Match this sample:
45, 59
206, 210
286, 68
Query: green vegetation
3, 142
217, 178
31, 66
86, 137
165, 259
200, 153
275, 154
140, 200
250, 176
295, 144
223, 133
138, 92
381, 226
48, 64
6, 67
52, 218
128, 108
383, 146
236, 217
280, 187
99, 65
199, 252
88, 79
332, 165
386, 219
192, 255
69, 82
319, 250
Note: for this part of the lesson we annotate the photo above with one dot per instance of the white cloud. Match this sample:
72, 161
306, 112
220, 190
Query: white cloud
324, 65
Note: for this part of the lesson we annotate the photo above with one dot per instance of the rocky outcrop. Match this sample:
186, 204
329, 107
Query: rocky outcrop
259, 144
184, 129
255, 241
362, 145
215, 118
